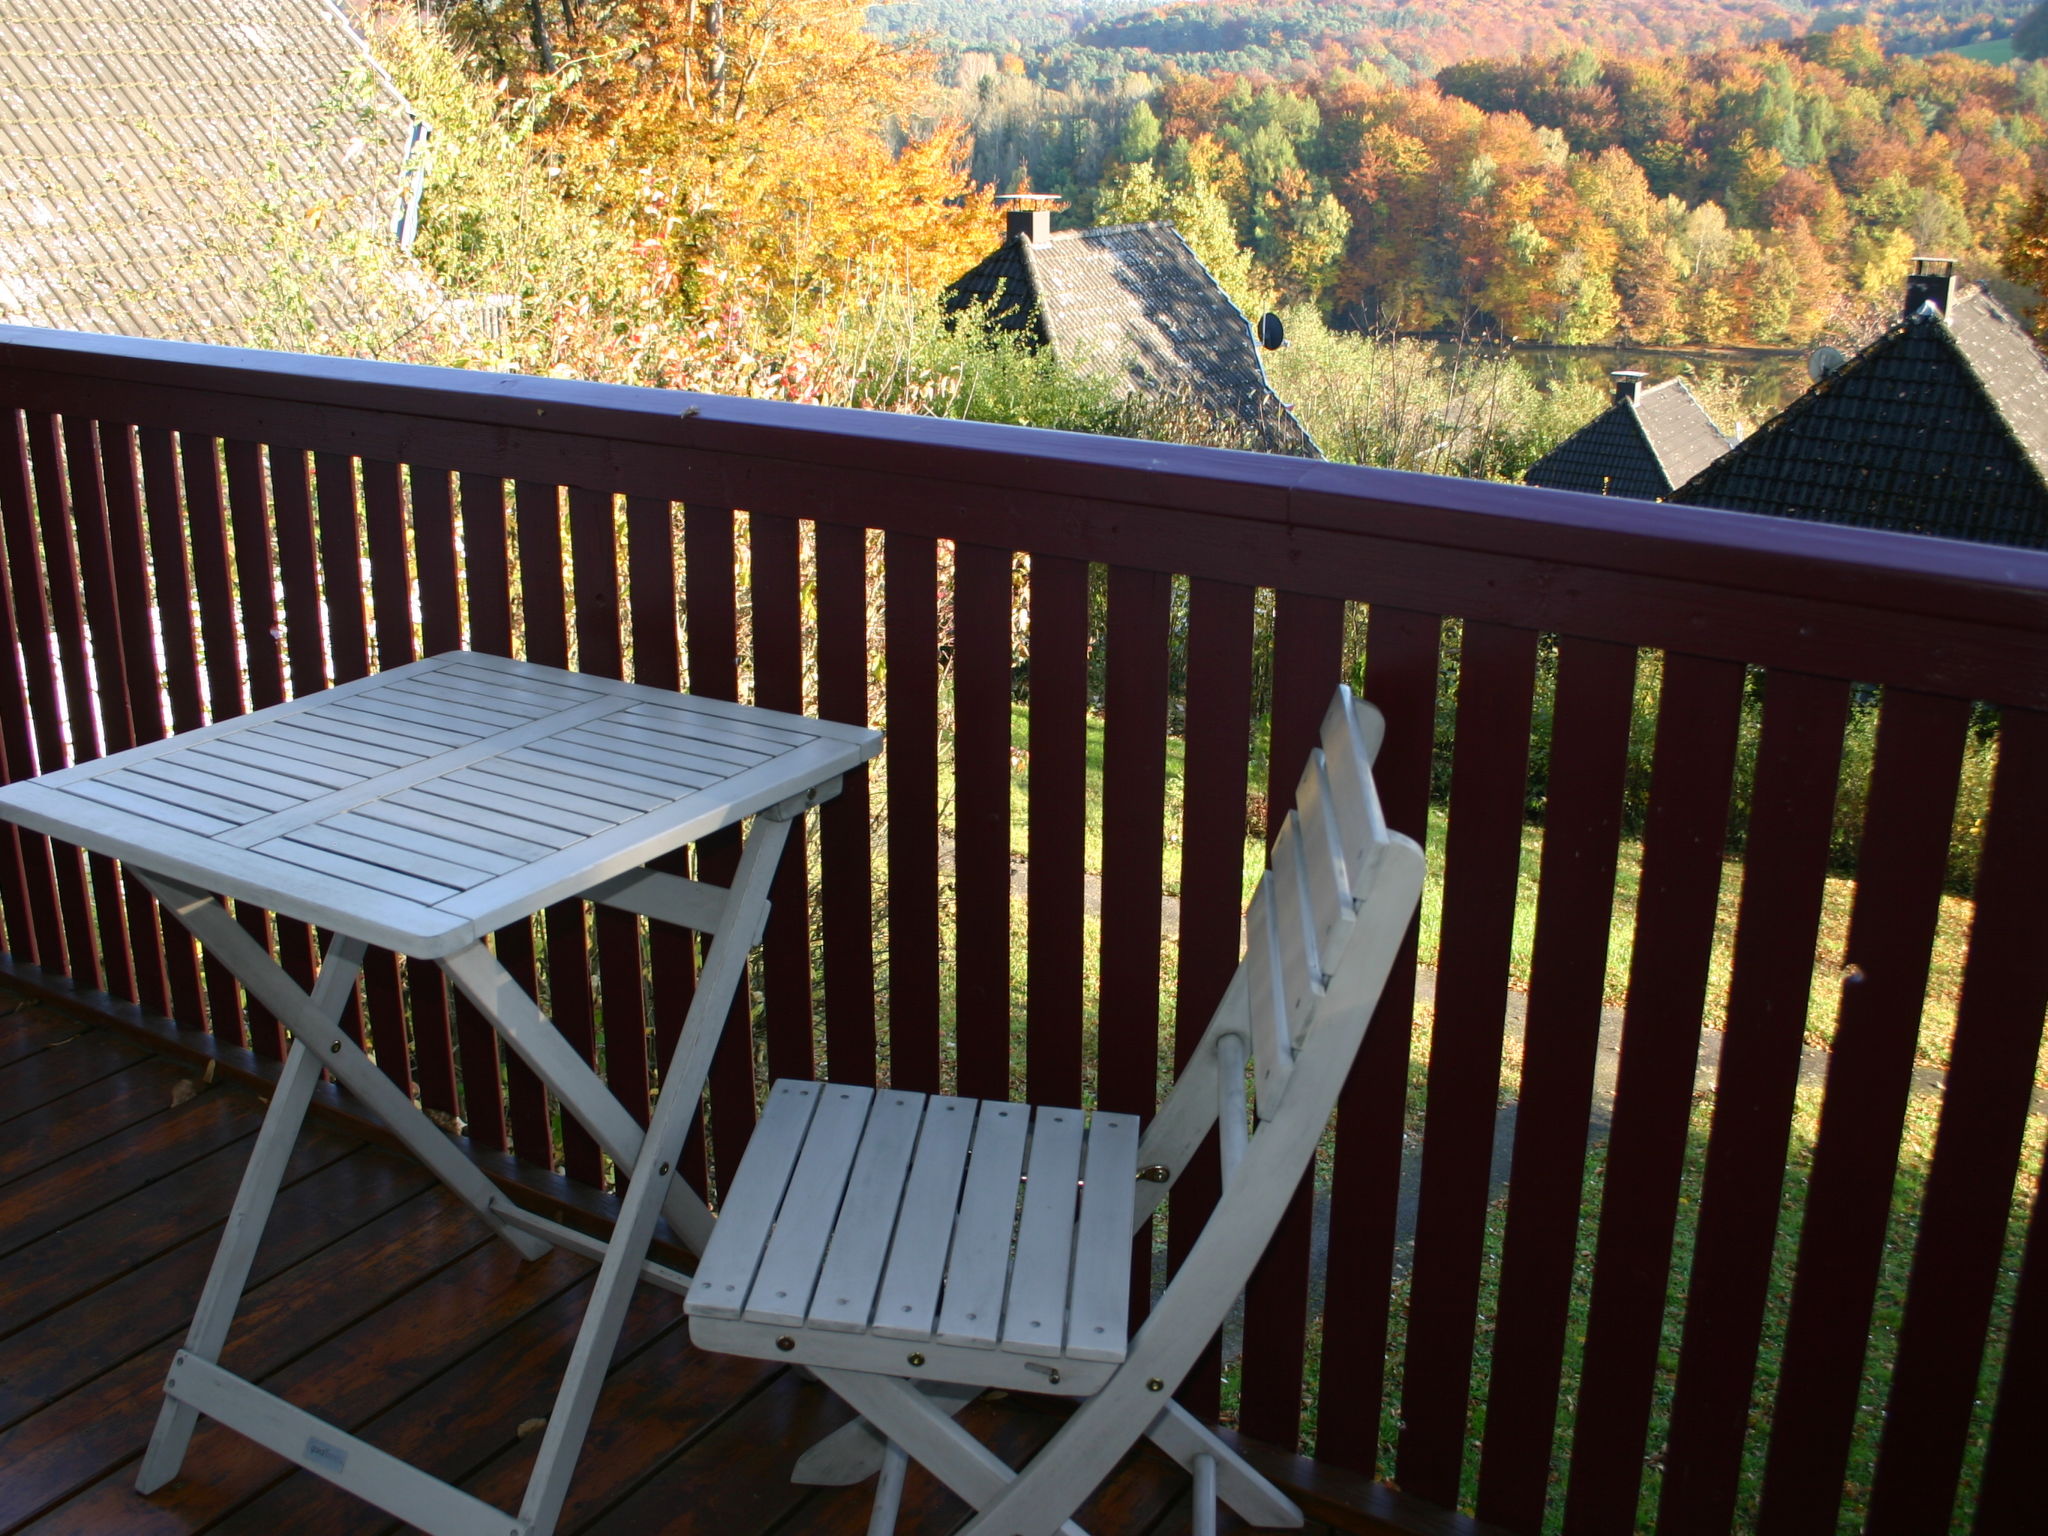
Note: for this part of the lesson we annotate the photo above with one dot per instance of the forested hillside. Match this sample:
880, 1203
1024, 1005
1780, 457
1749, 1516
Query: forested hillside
1093, 43
1762, 194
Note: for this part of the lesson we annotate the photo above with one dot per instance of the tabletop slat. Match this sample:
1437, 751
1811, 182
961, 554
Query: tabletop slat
421, 807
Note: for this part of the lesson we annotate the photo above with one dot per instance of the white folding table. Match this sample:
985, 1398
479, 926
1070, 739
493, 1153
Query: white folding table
420, 810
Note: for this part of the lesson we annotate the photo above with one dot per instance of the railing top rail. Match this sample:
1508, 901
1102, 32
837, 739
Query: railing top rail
1854, 602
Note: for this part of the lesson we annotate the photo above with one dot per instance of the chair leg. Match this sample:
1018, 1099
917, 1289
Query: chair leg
853, 1452
1205, 1495
1232, 1479
889, 1491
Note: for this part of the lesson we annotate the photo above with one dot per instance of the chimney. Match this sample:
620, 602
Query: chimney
1928, 283
1628, 384
1032, 224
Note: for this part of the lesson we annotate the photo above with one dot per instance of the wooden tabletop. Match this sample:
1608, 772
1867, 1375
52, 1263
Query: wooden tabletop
423, 807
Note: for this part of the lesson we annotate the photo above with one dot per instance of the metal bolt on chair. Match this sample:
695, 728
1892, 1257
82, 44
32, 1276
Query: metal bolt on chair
913, 1249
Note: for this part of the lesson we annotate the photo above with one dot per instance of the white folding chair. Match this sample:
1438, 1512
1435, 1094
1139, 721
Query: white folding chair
912, 1250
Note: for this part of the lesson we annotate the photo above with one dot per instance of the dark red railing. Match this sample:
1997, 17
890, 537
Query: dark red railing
193, 532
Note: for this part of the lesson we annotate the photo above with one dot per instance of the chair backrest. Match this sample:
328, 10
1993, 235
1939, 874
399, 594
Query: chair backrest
1304, 917
1322, 935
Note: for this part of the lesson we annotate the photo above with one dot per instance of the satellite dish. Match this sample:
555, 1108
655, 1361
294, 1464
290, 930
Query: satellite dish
1824, 361
1272, 334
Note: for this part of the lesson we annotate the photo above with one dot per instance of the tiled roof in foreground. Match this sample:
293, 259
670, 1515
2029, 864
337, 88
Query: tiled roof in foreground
1644, 445
1132, 302
1940, 427
158, 159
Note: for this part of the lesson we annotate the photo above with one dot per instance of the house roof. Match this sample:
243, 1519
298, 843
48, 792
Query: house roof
1132, 302
1644, 445
1939, 426
158, 159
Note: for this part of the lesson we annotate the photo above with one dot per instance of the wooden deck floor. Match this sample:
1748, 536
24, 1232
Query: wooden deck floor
378, 1301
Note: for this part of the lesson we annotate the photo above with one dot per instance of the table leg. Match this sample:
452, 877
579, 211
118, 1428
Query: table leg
315, 1021
652, 1175
535, 1040
245, 1224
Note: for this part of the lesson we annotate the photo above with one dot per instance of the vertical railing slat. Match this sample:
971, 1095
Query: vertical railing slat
298, 570
99, 632
1308, 651
1133, 846
59, 637
981, 818
170, 564
263, 667
1401, 660
1969, 1196
593, 547
1489, 777
1684, 835
1900, 869
658, 663
847, 882
542, 568
1214, 802
488, 580
299, 576
1567, 989
2009, 1498
1133, 839
206, 534
1057, 786
711, 638
36, 928
343, 593
777, 594
141, 718
1785, 869
910, 644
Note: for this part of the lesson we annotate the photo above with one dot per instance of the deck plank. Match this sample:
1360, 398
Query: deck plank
104, 1171
656, 1404
78, 1257
26, 1028
62, 1066
152, 1304
735, 1478
468, 1416
85, 1115
349, 1378
80, 1438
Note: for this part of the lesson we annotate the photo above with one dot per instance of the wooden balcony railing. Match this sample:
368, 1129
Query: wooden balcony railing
192, 532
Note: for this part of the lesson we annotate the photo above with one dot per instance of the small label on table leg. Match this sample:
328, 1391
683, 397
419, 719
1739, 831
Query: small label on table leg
323, 1457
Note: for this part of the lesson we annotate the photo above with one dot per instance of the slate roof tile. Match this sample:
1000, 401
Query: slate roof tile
138, 137
1132, 302
1939, 426
1641, 447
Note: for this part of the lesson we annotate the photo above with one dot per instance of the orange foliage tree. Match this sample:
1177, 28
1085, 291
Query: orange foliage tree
768, 146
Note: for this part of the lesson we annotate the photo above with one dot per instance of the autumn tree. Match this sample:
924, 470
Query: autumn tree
772, 143
2025, 256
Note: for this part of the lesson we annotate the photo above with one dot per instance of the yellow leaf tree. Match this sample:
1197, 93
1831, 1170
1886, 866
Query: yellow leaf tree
772, 145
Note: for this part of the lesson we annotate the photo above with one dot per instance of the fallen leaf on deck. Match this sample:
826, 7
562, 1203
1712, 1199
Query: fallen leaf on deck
531, 1427
182, 1090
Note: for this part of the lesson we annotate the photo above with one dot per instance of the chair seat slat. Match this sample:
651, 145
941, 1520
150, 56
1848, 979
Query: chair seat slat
1098, 1310
747, 1213
909, 1298
1035, 1320
867, 1218
980, 1261
810, 1207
